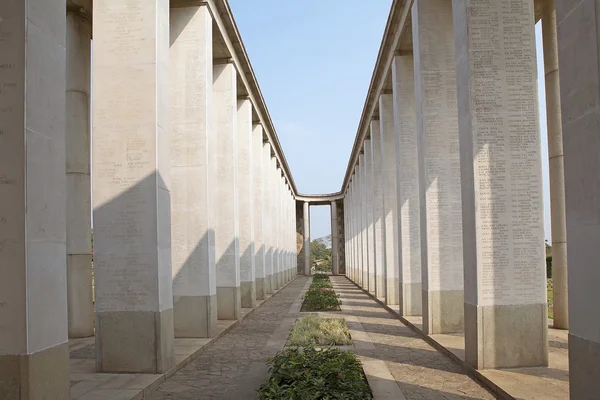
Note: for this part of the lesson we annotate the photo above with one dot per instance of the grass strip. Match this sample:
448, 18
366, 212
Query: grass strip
316, 331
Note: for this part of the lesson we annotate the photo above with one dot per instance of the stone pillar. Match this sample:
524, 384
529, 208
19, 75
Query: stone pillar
79, 229
245, 170
556, 167
364, 248
131, 192
227, 250
341, 220
259, 218
501, 170
352, 230
279, 228
378, 217
439, 167
370, 227
291, 211
335, 257
357, 215
291, 230
192, 151
267, 229
306, 212
391, 233
275, 204
350, 238
299, 208
407, 175
578, 51
34, 349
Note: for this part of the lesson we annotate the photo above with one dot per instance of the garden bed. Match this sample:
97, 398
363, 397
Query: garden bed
316, 331
320, 296
309, 374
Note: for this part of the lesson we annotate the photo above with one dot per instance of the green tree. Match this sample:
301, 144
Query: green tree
318, 251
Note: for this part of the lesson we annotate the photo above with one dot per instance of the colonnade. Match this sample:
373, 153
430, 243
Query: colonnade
193, 201
443, 196
335, 202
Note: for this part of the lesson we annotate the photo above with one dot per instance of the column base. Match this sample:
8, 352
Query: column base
41, 375
274, 282
79, 295
510, 336
380, 290
261, 292
443, 311
248, 290
392, 296
134, 341
267, 284
229, 303
410, 299
584, 368
372, 283
195, 316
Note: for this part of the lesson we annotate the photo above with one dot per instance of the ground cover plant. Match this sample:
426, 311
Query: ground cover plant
320, 296
316, 331
312, 374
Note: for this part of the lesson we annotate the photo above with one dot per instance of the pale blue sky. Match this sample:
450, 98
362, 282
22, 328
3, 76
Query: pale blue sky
314, 60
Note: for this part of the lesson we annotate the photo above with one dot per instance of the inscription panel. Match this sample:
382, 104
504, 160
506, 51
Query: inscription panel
408, 180
130, 257
507, 166
436, 86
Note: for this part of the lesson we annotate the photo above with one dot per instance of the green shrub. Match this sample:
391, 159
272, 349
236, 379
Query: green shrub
324, 283
316, 331
320, 277
549, 266
315, 375
320, 299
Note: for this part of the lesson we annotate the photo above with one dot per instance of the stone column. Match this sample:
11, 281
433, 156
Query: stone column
267, 229
245, 170
578, 38
556, 167
79, 229
501, 170
34, 349
131, 191
258, 182
346, 231
352, 230
335, 257
357, 214
192, 148
439, 167
407, 175
378, 217
275, 220
370, 249
390, 199
291, 214
279, 227
364, 248
350, 236
227, 250
306, 231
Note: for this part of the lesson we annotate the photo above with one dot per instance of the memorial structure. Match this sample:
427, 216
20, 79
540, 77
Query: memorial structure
196, 216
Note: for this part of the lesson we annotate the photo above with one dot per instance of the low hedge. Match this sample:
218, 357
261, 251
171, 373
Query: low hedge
315, 375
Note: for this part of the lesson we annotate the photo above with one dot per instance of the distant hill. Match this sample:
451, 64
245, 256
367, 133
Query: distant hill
326, 240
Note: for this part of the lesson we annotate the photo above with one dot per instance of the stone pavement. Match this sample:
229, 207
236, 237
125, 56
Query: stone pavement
421, 372
233, 367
